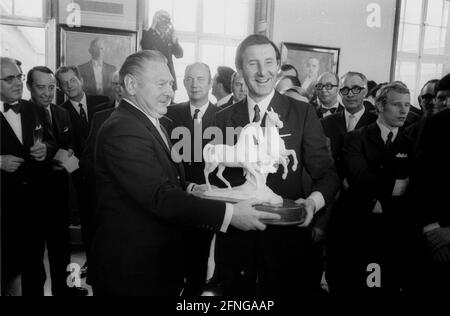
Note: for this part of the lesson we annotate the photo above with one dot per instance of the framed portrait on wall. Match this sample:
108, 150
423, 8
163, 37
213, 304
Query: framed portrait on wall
310, 61
88, 47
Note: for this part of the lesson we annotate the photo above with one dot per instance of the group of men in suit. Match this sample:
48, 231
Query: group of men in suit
35, 186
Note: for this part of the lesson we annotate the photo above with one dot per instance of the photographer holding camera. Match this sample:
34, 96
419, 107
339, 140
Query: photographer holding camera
161, 37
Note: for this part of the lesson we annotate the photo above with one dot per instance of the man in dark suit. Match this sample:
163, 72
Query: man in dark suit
221, 87
96, 73
143, 208
195, 116
279, 256
327, 88
81, 109
373, 216
55, 230
26, 144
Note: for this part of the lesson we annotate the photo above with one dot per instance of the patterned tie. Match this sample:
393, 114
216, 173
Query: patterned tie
17, 107
197, 111
257, 117
389, 140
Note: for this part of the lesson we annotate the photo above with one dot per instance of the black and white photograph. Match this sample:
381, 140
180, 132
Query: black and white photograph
225, 155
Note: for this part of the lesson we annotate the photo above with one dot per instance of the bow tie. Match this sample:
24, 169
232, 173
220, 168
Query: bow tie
15, 107
325, 110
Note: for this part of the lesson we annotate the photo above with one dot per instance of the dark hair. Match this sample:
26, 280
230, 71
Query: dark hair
224, 75
370, 85
374, 90
443, 84
294, 80
65, 69
287, 67
43, 69
134, 63
251, 40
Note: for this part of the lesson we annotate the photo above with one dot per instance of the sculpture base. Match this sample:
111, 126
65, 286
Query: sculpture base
290, 212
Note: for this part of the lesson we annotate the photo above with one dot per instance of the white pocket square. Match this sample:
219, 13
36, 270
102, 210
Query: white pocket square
401, 155
66, 130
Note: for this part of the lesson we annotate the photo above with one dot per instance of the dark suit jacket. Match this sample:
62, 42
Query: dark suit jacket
95, 103
371, 170
151, 40
90, 85
307, 139
335, 129
20, 207
230, 102
62, 127
180, 115
142, 210
429, 192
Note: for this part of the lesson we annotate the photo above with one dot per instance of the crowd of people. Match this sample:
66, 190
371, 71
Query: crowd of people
366, 177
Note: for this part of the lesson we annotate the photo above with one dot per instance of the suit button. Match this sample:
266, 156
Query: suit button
178, 177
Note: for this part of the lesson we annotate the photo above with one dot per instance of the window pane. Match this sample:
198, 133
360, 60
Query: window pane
434, 41
5, 7
213, 16
212, 54
185, 15
28, 8
428, 72
26, 44
180, 67
406, 72
237, 13
409, 38
435, 13
230, 54
412, 10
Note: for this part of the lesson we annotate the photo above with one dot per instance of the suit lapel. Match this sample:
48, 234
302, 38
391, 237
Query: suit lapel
28, 126
364, 120
275, 104
374, 135
341, 124
240, 114
208, 118
187, 118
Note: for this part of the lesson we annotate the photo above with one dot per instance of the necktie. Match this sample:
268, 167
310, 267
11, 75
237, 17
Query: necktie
163, 133
389, 140
83, 115
48, 117
257, 117
17, 107
197, 111
328, 110
351, 123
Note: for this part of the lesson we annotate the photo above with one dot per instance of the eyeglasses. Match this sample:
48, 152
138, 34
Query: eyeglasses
327, 86
10, 79
354, 90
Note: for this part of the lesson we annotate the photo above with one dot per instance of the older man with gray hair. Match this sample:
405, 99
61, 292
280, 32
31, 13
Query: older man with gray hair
144, 204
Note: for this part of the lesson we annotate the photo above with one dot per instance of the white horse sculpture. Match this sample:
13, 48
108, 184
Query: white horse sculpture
245, 154
276, 147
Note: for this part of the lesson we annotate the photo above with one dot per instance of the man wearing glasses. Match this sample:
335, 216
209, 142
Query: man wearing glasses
327, 95
25, 145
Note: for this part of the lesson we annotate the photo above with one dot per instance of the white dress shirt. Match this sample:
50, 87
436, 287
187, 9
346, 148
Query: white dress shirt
98, 74
316, 196
224, 100
385, 130
356, 117
14, 120
202, 109
76, 106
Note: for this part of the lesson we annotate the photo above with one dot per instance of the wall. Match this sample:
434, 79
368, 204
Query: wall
342, 24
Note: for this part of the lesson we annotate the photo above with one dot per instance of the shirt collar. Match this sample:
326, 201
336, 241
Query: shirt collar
202, 109
263, 105
2, 105
154, 120
83, 102
385, 130
224, 100
357, 115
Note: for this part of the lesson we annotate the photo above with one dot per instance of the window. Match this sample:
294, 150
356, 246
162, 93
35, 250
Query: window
423, 48
23, 30
208, 30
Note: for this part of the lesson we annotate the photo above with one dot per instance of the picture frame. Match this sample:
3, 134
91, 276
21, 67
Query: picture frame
73, 49
310, 61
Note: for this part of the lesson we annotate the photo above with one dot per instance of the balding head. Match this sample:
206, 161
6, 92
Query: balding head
11, 85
